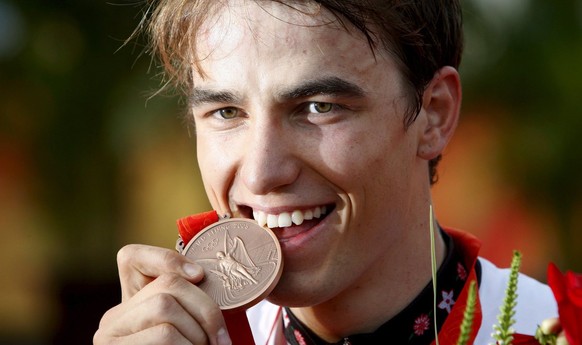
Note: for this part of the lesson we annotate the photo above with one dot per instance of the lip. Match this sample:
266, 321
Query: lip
296, 243
289, 233
295, 238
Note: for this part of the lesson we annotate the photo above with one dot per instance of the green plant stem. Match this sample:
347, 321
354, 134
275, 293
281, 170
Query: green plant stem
434, 272
503, 332
468, 316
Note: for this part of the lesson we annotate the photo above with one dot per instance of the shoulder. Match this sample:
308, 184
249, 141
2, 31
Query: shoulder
535, 301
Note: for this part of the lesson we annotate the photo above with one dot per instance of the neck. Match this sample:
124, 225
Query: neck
382, 292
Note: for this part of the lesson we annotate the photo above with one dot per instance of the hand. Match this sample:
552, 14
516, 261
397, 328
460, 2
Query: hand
160, 302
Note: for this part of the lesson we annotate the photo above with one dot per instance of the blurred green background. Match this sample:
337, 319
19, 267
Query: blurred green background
88, 162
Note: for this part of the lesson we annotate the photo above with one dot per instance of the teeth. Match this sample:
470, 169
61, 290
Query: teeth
287, 219
272, 221
262, 219
297, 217
284, 220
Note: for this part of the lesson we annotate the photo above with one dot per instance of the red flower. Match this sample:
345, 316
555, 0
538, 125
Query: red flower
461, 271
567, 289
421, 324
299, 337
520, 339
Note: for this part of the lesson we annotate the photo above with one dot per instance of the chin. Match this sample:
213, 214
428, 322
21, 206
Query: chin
303, 293
290, 299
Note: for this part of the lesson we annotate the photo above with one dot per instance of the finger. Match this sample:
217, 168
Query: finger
198, 309
159, 309
161, 334
139, 265
196, 303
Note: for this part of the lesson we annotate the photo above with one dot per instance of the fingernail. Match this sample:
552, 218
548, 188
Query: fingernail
223, 338
192, 270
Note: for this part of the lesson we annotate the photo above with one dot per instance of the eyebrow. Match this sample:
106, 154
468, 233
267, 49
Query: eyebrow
324, 86
333, 86
201, 96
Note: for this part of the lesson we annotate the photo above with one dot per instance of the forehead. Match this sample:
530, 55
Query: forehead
257, 50
260, 20
277, 30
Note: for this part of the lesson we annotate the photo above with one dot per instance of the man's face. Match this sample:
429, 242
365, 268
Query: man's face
294, 118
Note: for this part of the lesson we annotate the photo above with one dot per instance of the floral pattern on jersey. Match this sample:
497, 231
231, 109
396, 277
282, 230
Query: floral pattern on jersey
299, 337
421, 324
461, 271
412, 326
448, 301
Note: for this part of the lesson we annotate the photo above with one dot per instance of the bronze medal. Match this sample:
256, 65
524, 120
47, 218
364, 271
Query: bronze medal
242, 262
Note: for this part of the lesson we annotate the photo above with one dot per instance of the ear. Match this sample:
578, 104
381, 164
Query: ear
441, 104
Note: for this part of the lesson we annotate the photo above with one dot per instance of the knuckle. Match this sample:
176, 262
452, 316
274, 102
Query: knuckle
171, 259
164, 303
211, 316
166, 333
125, 254
170, 281
109, 315
98, 338
101, 338
105, 334
107, 319
200, 339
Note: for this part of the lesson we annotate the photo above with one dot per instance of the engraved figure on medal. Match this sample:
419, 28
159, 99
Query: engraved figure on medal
235, 267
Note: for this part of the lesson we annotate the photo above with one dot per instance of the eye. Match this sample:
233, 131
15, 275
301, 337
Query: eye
320, 107
227, 113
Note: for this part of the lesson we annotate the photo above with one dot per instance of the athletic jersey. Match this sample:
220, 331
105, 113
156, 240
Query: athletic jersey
535, 302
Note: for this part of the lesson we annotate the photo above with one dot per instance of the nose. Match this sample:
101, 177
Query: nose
270, 162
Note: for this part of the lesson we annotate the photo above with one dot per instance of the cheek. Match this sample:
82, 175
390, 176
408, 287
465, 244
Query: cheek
204, 156
214, 162
361, 156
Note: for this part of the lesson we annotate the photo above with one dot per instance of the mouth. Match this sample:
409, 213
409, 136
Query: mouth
289, 223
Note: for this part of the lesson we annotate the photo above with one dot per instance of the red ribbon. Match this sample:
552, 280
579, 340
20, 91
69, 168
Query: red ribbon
236, 321
189, 226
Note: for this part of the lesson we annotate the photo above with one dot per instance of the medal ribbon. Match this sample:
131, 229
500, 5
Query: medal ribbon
236, 321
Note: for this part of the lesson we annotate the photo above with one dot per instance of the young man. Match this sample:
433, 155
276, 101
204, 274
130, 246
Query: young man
300, 106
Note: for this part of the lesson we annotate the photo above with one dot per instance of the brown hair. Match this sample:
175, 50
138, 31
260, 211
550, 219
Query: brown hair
422, 35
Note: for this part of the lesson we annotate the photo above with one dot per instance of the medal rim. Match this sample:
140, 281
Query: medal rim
268, 288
